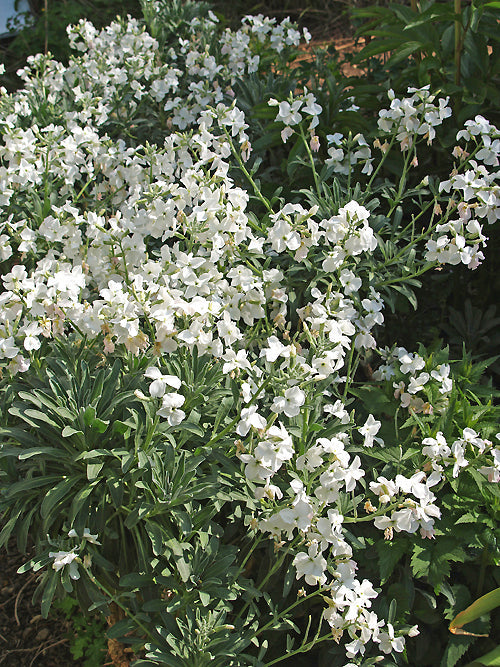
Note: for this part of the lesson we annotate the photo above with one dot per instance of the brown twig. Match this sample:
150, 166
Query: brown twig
18, 596
47, 648
16, 650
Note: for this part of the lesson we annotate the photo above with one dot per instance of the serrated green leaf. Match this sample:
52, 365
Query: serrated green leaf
390, 553
455, 649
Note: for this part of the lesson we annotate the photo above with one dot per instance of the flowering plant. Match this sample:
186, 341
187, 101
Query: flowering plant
199, 423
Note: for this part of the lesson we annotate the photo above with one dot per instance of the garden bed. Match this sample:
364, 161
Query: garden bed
214, 432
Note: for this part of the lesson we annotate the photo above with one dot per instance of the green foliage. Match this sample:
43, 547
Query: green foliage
458, 53
87, 636
44, 31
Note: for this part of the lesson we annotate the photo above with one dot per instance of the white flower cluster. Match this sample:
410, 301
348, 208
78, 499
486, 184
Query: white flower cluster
345, 153
292, 112
441, 455
323, 556
412, 389
153, 248
412, 514
415, 115
475, 197
350, 234
72, 558
124, 274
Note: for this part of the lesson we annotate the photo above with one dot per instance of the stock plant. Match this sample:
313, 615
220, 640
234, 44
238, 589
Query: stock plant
206, 424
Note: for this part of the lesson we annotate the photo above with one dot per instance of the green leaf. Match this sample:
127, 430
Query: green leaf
41, 416
455, 649
155, 535
184, 568
30, 484
69, 431
100, 425
222, 412
55, 495
420, 561
122, 628
481, 606
191, 427
390, 553
36, 451
204, 597
491, 659
48, 593
93, 470
89, 415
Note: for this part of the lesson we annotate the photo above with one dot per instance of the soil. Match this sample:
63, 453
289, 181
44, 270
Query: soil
27, 639
343, 45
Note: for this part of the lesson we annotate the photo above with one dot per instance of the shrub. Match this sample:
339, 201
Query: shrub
201, 427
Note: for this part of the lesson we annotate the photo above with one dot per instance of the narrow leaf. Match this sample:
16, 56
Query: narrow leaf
481, 606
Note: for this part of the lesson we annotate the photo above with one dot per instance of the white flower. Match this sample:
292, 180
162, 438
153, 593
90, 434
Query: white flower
353, 474
170, 408
310, 565
384, 488
370, 430
290, 403
289, 113
31, 341
286, 133
338, 410
389, 643
86, 535
269, 491
250, 417
159, 385
63, 558
275, 349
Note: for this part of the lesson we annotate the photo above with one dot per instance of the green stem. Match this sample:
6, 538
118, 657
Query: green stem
379, 166
305, 424
230, 426
403, 279
274, 568
458, 41
150, 433
402, 180
286, 611
258, 193
91, 180
301, 649
311, 160
126, 611
348, 374
255, 544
